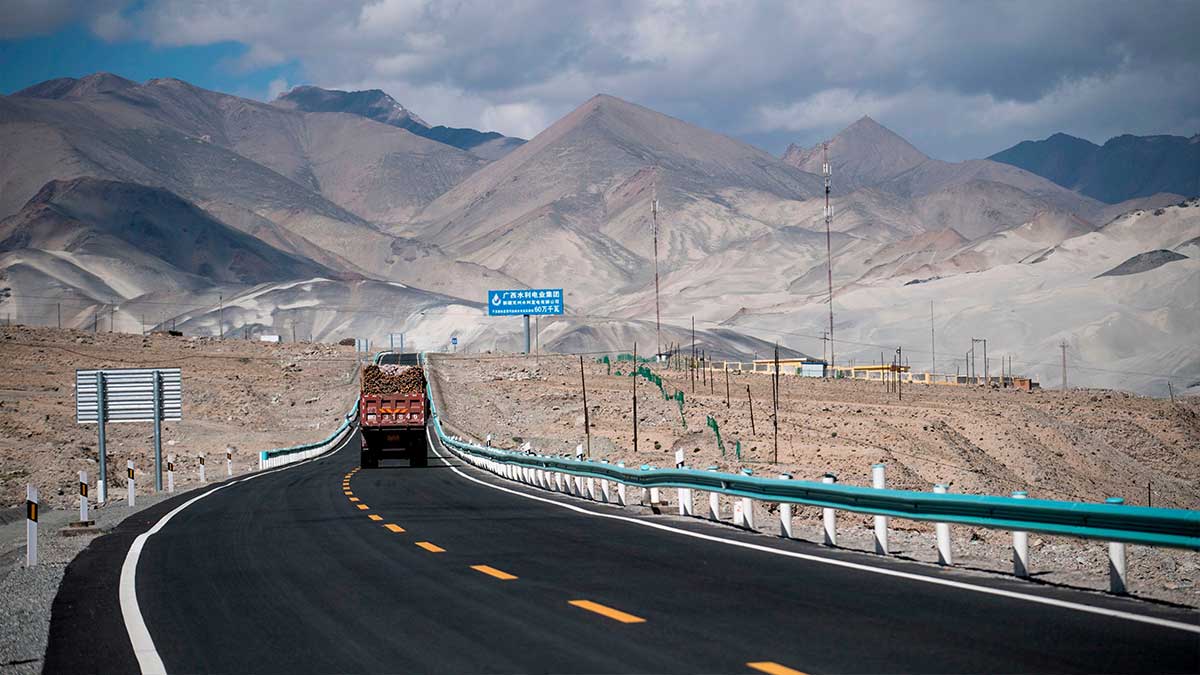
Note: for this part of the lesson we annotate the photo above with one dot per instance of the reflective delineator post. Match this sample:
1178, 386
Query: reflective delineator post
1116, 559
1020, 546
945, 554
83, 497
201, 456
785, 513
714, 502
830, 515
621, 489
31, 520
879, 482
170, 473
228, 461
132, 495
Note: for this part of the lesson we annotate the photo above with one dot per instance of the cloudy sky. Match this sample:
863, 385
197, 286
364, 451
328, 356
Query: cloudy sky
958, 79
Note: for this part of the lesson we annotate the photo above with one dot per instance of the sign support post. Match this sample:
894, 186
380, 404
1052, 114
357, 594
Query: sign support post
527, 334
157, 431
102, 479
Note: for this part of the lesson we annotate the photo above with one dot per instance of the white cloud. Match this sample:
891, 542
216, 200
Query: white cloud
962, 77
277, 87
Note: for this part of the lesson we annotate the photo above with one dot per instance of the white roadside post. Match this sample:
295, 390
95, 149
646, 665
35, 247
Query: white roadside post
879, 482
228, 461
714, 502
1116, 559
170, 473
1020, 546
748, 506
605, 494
132, 494
830, 515
558, 481
201, 456
685, 494
785, 513
621, 489
653, 491
945, 554
31, 518
83, 497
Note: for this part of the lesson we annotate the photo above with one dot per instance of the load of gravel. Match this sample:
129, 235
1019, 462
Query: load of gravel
392, 379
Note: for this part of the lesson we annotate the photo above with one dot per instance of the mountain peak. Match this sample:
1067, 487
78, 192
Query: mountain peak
375, 104
73, 88
862, 154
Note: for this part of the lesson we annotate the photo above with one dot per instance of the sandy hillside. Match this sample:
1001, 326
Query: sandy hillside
247, 395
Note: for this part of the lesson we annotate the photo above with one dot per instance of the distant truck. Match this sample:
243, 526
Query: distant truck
392, 407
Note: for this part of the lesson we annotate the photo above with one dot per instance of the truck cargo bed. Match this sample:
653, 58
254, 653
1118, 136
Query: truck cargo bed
392, 410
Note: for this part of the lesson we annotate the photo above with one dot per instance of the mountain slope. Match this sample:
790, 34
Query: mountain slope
577, 196
1126, 167
376, 105
862, 154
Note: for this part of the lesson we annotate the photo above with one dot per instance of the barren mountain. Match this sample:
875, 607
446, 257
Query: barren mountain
577, 197
862, 154
1125, 167
377, 105
128, 224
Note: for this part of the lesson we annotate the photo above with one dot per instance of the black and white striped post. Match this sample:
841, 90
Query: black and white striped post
83, 497
170, 473
31, 520
228, 461
201, 456
132, 483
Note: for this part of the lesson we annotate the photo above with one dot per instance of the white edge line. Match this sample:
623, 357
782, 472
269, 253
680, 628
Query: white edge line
148, 659
1065, 604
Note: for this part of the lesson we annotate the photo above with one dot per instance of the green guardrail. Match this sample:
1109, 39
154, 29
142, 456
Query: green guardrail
350, 419
1151, 526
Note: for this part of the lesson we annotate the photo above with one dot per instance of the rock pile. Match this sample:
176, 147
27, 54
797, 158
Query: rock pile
392, 379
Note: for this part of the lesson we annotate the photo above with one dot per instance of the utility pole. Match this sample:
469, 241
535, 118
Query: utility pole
932, 351
60, 315
899, 373
1063, 346
692, 366
657, 315
221, 316
112, 317
974, 369
635, 417
825, 170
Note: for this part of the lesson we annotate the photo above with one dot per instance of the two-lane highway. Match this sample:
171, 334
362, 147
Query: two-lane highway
325, 568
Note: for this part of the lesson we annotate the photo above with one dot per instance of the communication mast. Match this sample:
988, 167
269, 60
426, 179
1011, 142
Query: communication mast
825, 171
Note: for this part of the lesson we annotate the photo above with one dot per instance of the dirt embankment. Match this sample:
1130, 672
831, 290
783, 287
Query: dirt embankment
249, 396
1084, 445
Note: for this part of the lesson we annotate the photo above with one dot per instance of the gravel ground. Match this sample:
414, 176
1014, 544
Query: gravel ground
26, 594
1081, 445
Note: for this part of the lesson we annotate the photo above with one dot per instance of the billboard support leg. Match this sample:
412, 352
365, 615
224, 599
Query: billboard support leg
102, 479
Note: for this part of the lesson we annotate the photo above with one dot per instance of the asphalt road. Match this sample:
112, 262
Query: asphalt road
287, 573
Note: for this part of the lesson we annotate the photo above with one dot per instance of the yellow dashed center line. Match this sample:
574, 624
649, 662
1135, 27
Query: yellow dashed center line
773, 668
354, 499
432, 548
603, 610
493, 572
394, 528
363, 507
375, 517
348, 493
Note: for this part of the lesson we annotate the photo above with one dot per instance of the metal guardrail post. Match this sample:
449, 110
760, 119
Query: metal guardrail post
945, 554
621, 488
785, 513
1116, 559
748, 506
830, 515
1020, 546
879, 482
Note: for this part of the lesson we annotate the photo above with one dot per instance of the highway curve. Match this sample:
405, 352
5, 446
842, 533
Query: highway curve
286, 573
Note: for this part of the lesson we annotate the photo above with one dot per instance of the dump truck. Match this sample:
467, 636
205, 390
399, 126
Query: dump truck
392, 408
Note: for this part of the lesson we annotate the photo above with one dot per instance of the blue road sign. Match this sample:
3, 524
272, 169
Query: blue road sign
535, 301
454, 340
